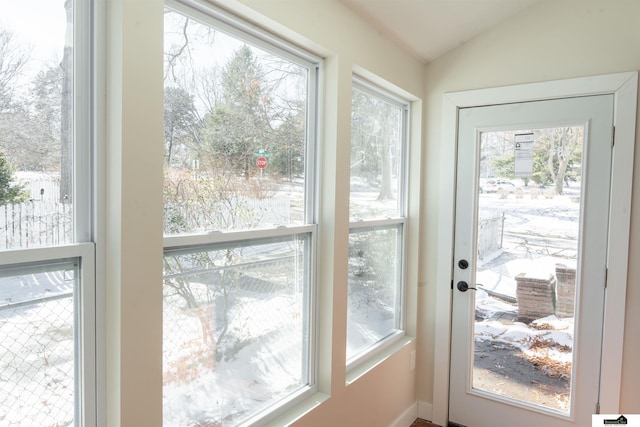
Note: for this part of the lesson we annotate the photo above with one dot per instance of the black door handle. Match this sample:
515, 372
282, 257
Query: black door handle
464, 286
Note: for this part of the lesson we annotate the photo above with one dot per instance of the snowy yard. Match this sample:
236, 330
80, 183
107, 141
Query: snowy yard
36, 350
258, 352
538, 234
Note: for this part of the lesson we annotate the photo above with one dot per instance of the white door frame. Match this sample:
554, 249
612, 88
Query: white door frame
624, 87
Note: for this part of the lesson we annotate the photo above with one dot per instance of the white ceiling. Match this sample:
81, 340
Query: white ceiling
429, 28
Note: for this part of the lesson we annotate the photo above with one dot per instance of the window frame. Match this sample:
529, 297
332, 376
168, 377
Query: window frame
375, 350
237, 27
84, 229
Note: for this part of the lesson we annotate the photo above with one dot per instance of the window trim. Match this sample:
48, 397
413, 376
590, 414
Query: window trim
236, 26
83, 119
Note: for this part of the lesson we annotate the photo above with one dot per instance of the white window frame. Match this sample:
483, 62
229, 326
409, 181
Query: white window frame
83, 245
375, 350
237, 27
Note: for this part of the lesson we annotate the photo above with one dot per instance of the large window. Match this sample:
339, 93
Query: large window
377, 213
47, 280
239, 220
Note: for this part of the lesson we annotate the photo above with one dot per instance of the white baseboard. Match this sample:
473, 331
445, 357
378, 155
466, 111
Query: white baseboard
425, 411
407, 418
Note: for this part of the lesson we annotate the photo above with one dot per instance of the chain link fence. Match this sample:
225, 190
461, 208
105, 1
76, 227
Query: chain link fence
233, 335
37, 362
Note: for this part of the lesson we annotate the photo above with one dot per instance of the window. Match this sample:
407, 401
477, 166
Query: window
377, 212
47, 280
239, 220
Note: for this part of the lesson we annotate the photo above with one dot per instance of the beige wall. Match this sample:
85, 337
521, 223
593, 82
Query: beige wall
555, 39
134, 224
551, 40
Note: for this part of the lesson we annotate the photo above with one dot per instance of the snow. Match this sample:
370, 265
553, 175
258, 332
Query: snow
538, 234
517, 334
262, 361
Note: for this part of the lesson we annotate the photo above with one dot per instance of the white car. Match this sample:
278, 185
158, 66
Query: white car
495, 185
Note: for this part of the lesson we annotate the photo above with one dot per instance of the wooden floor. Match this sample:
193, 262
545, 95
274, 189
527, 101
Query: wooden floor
422, 423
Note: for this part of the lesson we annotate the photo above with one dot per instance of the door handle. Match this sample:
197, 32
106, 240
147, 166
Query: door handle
464, 286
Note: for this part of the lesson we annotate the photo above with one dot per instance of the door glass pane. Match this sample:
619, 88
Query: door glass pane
528, 227
236, 330
36, 119
37, 344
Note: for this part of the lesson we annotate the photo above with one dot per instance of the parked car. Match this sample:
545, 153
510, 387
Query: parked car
495, 185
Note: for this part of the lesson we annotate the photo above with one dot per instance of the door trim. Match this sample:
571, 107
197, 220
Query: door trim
624, 87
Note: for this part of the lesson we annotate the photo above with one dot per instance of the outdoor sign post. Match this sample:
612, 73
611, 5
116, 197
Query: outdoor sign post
261, 159
261, 163
523, 158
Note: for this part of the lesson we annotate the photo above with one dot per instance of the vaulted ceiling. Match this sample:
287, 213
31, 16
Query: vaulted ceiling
429, 28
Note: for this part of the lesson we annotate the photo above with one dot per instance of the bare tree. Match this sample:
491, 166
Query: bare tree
562, 143
13, 58
375, 137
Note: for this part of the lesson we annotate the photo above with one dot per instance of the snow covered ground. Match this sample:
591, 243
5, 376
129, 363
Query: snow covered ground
262, 360
558, 333
36, 351
538, 234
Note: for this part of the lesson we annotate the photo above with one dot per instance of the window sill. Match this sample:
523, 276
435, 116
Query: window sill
300, 410
377, 357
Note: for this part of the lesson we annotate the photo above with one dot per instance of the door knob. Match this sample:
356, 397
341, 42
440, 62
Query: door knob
464, 286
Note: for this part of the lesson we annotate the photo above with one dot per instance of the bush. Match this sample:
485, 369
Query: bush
9, 191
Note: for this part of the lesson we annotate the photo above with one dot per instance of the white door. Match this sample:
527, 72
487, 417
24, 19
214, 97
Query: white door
529, 268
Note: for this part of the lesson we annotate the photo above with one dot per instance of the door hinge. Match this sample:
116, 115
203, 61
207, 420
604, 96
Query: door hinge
451, 284
613, 136
606, 277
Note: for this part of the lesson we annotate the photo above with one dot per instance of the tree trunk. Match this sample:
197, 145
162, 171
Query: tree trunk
386, 192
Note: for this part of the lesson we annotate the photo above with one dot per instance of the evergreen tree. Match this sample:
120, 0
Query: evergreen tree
9, 192
240, 125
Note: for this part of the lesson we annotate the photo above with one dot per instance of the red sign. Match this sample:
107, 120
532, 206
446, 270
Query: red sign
261, 162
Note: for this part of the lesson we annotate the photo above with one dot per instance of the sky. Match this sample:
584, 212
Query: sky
38, 25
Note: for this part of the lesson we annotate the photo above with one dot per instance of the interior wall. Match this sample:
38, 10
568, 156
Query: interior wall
384, 393
551, 40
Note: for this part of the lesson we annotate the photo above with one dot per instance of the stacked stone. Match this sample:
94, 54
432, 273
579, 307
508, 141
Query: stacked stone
565, 290
536, 297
